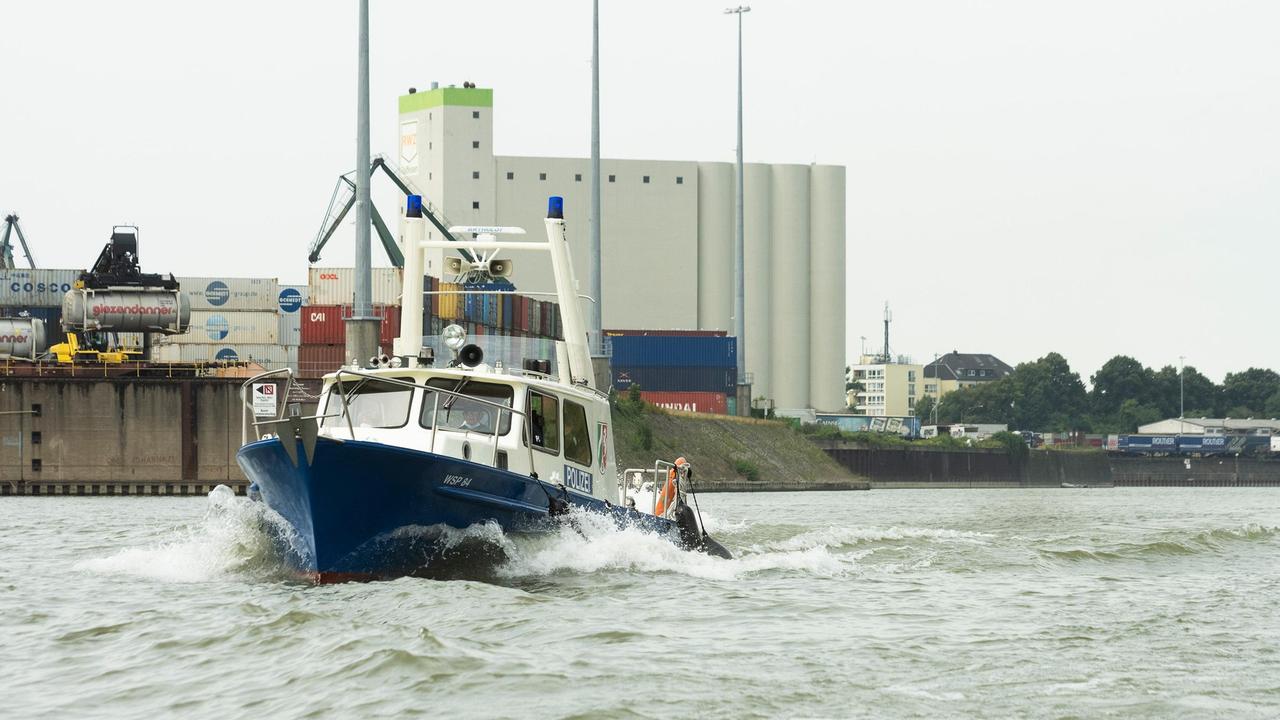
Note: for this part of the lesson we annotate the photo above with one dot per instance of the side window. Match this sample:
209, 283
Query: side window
544, 421
577, 435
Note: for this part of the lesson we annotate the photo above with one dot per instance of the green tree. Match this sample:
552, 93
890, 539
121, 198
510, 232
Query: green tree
1203, 397
1132, 414
1044, 395
924, 409
1249, 390
1119, 380
1273, 406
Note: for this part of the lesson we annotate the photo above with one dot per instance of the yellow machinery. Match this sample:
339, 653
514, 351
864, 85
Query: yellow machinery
94, 351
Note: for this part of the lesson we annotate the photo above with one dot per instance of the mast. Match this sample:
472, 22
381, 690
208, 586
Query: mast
575, 335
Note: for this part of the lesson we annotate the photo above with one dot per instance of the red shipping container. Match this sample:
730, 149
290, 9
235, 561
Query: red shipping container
326, 324
316, 360
699, 402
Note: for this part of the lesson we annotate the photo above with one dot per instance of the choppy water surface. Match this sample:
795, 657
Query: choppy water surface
967, 603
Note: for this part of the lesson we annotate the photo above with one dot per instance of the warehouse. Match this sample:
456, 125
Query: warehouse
667, 236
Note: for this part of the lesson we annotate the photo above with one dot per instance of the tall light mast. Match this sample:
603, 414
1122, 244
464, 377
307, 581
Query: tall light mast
594, 331
362, 326
739, 264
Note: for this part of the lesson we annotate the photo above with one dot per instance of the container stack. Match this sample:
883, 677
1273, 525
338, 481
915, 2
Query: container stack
329, 304
232, 320
37, 293
695, 371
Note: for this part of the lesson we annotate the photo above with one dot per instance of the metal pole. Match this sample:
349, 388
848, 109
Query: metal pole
739, 269
595, 339
1182, 396
363, 279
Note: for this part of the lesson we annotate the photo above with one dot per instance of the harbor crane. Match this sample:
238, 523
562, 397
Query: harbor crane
6, 249
343, 199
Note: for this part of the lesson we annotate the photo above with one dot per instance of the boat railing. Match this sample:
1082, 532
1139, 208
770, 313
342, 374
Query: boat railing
282, 407
525, 425
659, 473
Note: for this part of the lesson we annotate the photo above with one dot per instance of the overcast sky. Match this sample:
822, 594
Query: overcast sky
1091, 178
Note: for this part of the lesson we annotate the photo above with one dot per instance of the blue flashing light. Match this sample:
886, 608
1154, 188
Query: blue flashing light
413, 208
555, 207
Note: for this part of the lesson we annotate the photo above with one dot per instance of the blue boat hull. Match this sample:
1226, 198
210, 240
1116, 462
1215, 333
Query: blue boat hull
368, 510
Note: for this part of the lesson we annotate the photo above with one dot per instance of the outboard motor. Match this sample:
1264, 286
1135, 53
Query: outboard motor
693, 537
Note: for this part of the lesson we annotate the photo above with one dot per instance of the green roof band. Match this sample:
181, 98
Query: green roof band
469, 97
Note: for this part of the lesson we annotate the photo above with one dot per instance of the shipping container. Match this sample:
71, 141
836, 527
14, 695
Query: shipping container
316, 360
452, 303
290, 327
673, 351
336, 286
699, 402
326, 324
674, 333
432, 301
270, 357
229, 293
229, 327
707, 379
291, 298
37, 287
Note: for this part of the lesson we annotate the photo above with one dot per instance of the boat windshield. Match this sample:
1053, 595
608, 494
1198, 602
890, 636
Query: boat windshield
463, 413
370, 402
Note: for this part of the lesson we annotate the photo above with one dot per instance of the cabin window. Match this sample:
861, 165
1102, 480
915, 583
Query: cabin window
544, 421
469, 411
577, 434
370, 404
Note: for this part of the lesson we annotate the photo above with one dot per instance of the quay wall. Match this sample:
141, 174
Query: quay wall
118, 436
925, 467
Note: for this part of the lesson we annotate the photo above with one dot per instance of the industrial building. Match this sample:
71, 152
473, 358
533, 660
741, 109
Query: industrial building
1212, 426
667, 237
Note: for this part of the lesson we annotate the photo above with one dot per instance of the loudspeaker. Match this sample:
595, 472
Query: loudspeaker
471, 355
500, 268
455, 265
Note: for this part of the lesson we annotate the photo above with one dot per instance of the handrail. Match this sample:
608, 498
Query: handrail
657, 466
244, 423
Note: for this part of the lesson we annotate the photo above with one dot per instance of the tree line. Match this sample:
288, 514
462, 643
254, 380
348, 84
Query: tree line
1047, 395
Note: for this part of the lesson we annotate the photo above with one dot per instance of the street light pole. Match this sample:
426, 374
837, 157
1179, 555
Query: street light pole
595, 339
739, 262
1182, 395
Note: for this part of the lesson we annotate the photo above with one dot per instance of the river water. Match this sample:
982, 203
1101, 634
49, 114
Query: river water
932, 603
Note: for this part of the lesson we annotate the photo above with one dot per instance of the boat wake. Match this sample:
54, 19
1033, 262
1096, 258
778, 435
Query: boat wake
241, 539
235, 538
1170, 543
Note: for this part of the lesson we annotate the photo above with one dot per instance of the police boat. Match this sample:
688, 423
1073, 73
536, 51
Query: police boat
401, 452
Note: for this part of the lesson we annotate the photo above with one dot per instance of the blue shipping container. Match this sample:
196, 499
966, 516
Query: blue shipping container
683, 379
675, 351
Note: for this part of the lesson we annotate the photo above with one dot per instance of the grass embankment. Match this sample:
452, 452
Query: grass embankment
727, 453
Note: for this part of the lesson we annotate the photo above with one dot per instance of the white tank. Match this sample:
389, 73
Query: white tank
21, 338
153, 311
790, 345
758, 259
827, 289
